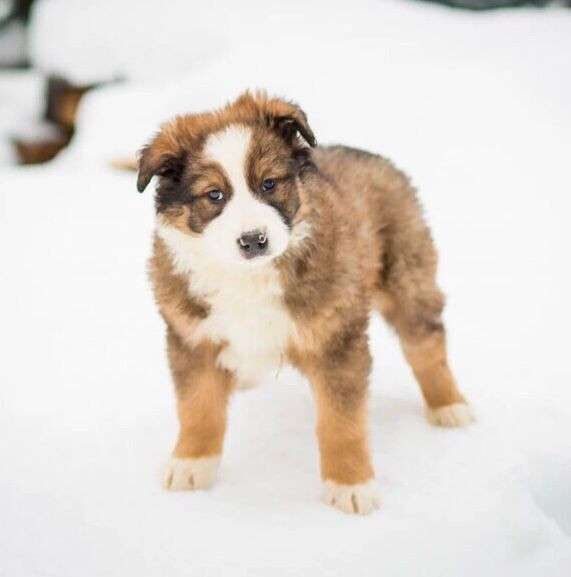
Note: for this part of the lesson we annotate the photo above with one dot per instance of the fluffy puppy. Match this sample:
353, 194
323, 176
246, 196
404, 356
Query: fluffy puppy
269, 249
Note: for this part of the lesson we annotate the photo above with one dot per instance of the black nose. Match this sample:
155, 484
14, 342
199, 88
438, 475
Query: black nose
253, 243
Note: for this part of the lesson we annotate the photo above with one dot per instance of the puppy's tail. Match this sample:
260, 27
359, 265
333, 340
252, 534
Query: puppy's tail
128, 163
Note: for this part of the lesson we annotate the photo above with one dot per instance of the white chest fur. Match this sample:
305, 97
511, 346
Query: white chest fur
246, 309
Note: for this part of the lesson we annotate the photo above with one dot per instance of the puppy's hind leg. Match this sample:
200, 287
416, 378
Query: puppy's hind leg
417, 320
423, 340
410, 300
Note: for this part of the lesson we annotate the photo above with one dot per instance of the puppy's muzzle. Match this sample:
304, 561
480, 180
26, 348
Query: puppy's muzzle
253, 243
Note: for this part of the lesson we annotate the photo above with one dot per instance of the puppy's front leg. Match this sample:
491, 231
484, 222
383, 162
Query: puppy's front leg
339, 378
202, 390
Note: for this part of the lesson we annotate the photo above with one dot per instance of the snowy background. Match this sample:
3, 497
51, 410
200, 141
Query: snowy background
477, 108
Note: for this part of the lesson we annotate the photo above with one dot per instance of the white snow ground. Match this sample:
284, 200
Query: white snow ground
21, 100
476, 108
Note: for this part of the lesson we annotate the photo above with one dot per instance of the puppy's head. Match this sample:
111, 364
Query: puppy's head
229, 179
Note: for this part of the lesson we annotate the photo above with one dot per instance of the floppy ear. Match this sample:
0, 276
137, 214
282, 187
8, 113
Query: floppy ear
292, 124
159, 158
287, 118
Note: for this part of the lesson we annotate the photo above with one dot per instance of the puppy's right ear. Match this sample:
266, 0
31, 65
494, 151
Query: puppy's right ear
161, 157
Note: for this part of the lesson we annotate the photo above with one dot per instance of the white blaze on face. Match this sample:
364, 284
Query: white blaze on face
243, 212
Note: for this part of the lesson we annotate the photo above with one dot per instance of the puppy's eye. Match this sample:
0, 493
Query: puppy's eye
216, 196
268, 184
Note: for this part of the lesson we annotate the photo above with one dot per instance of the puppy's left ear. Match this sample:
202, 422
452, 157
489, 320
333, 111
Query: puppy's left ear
161, 157
292, 124
285, 117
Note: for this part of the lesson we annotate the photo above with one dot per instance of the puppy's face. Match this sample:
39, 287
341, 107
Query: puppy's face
229, 180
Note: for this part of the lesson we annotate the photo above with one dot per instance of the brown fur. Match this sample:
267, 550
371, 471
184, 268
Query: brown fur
202, 395
171, 295
429, 363
369, 248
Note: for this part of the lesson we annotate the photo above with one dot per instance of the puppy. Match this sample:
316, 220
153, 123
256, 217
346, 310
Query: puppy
270, 249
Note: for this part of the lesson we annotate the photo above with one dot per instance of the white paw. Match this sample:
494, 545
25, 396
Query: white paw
455, 415
190, 474
362, 498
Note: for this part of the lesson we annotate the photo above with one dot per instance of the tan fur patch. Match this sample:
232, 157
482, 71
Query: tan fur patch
343, 443
429, 363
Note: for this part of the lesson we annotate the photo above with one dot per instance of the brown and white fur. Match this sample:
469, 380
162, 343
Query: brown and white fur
340, 233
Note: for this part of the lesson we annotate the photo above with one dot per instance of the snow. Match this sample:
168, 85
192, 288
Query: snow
476, 109
21, 97
12, 43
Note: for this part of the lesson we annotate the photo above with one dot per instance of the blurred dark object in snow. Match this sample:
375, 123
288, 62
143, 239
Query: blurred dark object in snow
14, 16
11, 10
61, 103
39, 146
492, 4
